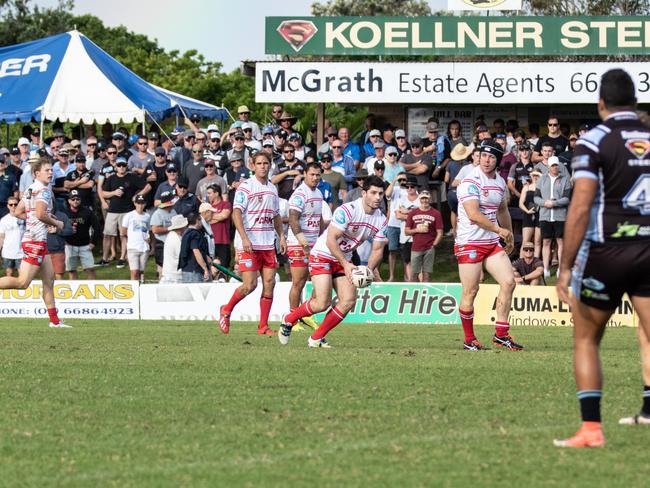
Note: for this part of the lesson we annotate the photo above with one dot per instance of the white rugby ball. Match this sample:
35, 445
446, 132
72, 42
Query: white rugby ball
362, 276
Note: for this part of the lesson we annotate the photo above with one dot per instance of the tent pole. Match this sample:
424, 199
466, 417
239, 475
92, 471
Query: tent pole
42, 144
144, 118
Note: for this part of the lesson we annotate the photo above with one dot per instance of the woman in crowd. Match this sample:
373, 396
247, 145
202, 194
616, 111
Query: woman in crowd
530, 231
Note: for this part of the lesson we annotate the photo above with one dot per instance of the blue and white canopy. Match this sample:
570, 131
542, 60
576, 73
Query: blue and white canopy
69, 78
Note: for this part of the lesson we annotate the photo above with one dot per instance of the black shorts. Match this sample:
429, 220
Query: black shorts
604, 272
406, 252
222, 252
530, 220
159, 252
452, 200
551, 230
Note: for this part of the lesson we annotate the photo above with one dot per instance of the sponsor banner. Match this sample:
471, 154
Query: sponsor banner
450, 83
458, 36
404, 303
108, 299
197, 301
540, 306
478, 5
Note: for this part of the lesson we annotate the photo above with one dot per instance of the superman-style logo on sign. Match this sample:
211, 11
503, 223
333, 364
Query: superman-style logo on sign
297, 32
639, 147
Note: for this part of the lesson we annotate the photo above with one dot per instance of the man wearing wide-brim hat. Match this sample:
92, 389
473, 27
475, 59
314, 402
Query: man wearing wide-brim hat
286, 122
243, 113
172, 250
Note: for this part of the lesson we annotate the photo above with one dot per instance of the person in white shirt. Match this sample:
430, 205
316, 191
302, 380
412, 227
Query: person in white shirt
136, 227
172, 250
330, 261
11, 235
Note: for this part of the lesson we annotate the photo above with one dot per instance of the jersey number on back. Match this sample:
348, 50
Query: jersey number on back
639, 196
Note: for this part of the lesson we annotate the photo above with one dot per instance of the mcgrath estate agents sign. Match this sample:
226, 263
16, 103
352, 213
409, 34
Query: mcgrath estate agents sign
454, 83
472, 35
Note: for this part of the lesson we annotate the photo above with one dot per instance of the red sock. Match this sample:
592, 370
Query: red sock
501, 328
54, 318
467, 320
296, 314
331, 320
265, 310
234, 300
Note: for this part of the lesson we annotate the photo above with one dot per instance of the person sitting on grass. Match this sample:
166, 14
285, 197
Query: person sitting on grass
136, 227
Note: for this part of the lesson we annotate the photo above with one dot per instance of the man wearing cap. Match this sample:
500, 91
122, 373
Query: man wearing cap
119, 189
331, 134
60, 172
520, 172
160, 222
211, 178
250, 142
35, 140
118, 139
295, 140
152, 143
81, 179
404, 199
236, 173
78, 245
483, 219
425, 225
187, 202
552, 196
401, 143
238, 147
178, 138
268, 147
368, 149
418, 163
554, 138
136, 226
172, 250
355, 193
215, 152
244, 113
194, 259
286, 123
24, 148
379, 151
528, 269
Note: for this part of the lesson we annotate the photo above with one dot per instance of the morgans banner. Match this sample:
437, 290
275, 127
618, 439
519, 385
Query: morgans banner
458, 83
458, 36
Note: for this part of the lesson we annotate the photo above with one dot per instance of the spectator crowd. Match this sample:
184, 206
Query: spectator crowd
130, 198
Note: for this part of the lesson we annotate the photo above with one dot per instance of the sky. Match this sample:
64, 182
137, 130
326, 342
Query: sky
226, 31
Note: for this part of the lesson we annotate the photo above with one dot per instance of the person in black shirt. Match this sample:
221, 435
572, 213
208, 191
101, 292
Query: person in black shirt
81, 180
288, 172
193, 260
187, 202
78, 245
607, 252
566, 157
119, 189
558, 142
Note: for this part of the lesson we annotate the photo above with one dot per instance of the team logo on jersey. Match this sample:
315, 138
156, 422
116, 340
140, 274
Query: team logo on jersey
593, 283
297, 32
240, 197
340, 217
473, 190
640, 148
297, 201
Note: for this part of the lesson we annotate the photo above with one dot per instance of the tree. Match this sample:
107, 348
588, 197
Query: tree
405, 8
587, 7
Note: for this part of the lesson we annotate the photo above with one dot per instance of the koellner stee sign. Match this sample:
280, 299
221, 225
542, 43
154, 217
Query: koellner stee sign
458, 36
502, 83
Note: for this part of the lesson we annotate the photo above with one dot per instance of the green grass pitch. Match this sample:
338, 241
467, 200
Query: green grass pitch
112, 403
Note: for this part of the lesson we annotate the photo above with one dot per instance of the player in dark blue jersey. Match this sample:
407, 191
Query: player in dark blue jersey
609, 246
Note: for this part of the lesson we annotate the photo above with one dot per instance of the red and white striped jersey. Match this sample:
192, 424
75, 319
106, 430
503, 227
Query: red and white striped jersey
310, 205
259, 204
357, 227
490, 193
35, 230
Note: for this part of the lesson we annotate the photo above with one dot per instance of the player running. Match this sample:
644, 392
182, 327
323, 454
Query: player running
36, 208
256, 215
330, 261
483, 219
305, 225
608, 246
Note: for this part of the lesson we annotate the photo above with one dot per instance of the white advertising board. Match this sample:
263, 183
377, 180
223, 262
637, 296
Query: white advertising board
116, 300
457, 83
197, 301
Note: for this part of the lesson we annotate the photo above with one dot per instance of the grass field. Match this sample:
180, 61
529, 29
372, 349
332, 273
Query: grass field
138, 403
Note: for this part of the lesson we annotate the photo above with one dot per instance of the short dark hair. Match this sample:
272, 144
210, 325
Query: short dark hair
546, 144
286, 145
262, 155
617, 89
192, 218
214, 188
372, 181
314, 165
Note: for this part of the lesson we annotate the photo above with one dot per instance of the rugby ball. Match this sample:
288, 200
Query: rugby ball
362, 276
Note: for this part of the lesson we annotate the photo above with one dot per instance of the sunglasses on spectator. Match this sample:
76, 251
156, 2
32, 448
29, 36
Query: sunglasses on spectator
91, 144
553, 125
391, 155
244, 113
337, 147
74, 199
170, 171
248, 130
121, 165
208, 166
400, 137
416, 145
142, 143
200, 138
401, 182
528, 249
239, 138
288, 151
410, 186
277, 111
199, 151
111, 152
63, 155
181, 187
328, 161
12, 205
160, 155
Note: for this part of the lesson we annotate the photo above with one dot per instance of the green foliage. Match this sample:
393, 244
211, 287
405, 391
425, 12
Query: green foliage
169, 403
587, 7
406, 8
